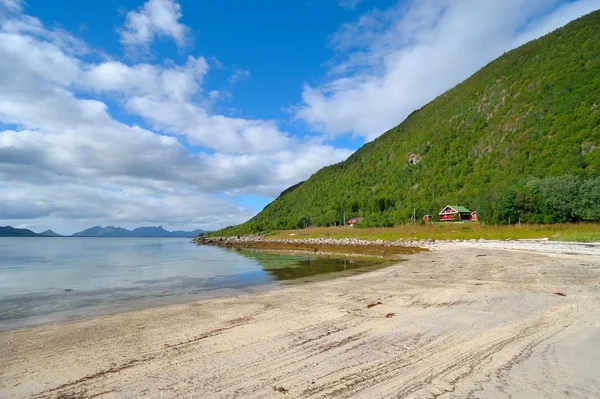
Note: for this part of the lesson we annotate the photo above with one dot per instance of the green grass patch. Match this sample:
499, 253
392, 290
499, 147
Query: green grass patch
577, 237
584, 232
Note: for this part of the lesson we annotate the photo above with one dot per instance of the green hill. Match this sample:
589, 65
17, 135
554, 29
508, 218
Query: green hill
519, 139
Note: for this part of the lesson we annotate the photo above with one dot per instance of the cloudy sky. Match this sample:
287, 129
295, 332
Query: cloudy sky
195, 114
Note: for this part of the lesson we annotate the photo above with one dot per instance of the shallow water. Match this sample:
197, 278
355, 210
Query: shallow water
51, 279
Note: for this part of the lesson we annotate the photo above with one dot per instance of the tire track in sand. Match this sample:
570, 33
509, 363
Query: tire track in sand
412, 375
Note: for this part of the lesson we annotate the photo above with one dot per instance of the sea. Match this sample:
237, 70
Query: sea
45, 280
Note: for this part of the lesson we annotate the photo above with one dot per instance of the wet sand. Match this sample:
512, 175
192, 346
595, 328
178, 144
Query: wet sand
456, 322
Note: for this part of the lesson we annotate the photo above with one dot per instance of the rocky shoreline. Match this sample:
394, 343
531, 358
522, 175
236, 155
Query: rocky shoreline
383, 248
232, 240
351, 246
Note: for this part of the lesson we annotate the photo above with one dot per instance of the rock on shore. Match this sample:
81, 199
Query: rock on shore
233, 240
345, 246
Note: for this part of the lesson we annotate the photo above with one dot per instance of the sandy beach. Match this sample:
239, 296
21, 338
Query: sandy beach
471, 320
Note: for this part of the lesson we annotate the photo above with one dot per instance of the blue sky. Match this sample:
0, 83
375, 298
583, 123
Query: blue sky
281, 47
195, 114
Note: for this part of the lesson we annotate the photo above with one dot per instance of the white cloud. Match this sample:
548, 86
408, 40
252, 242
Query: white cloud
350, 4
239, 74
11, 5
216, 62
217, 132
391, 62
175, 82
64, 158
559, 17
60, 208
155, 19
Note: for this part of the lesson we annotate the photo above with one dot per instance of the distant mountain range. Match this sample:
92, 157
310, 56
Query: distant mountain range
109, 231
50, 233
9, 231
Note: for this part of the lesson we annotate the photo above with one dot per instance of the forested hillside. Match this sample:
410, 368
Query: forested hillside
520, 139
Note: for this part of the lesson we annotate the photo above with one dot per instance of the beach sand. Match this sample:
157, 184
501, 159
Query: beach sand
460, 321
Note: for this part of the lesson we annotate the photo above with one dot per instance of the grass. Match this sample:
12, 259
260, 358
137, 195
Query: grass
578, 237
584, 232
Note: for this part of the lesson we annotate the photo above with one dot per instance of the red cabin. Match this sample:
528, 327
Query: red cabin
353, 221
457, 213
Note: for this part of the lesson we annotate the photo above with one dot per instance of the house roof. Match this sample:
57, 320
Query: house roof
457, 208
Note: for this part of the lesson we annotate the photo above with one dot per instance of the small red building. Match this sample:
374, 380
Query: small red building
353, 221
457, 213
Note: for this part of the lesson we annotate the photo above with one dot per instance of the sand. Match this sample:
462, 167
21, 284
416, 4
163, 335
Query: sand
460, 321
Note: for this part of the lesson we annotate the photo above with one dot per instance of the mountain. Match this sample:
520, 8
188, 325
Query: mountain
109, 231
9, 231
159, 231
150, 232
518, 140
49, 233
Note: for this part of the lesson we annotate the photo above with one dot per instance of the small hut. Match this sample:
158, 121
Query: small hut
456, 213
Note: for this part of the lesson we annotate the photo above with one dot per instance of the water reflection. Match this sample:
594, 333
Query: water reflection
296, 266
50, 279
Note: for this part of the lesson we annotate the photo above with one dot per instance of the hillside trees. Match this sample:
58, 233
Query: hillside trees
518, 140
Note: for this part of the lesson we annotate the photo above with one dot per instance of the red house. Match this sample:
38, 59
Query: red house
457, 213
353, 221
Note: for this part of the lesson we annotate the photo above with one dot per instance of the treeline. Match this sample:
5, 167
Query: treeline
551, 200
535, 200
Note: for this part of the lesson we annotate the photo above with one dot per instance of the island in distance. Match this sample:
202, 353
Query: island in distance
50, 233
9, 231
159, 231
109, 231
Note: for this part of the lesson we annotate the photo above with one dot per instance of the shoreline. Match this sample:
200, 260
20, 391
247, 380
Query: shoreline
263, 271
388, 248
341, 246
462, 319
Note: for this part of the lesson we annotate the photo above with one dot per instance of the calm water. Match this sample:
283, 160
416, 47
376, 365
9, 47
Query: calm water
51, 279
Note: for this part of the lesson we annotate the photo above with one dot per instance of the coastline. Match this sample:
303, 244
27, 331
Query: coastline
341, 246
391, 248
459, 319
